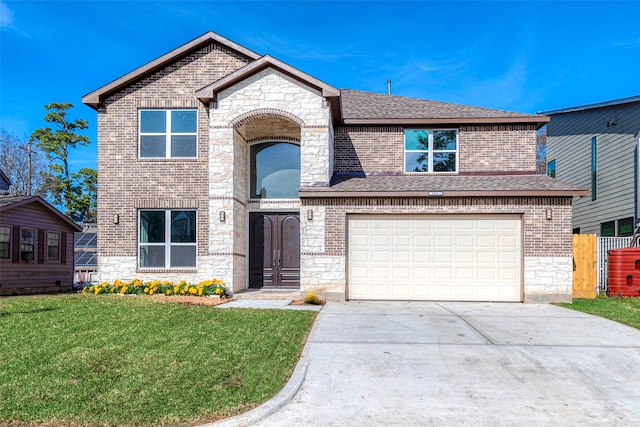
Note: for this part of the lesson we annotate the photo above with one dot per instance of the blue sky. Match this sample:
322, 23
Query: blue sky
522, 56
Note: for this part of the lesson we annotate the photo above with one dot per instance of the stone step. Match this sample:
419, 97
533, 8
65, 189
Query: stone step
268, 294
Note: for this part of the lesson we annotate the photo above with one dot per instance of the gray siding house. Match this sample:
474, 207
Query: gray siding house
595, 147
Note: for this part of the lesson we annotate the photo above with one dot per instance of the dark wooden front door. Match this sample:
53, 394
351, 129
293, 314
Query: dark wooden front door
274, 249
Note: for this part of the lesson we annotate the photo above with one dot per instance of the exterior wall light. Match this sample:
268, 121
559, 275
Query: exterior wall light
549, 214
116, 218
223, 216
310, 215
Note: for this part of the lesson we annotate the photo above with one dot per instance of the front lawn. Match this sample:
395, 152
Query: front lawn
623, 310
132, 361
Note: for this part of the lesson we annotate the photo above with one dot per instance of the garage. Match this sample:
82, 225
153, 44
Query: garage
435, 257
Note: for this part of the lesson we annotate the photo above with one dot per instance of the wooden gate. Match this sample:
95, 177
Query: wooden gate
584, 266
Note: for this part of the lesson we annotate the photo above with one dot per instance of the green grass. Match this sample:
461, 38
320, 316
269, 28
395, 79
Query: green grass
109, 360
623, 310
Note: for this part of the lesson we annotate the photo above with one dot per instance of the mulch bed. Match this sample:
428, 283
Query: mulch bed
191, 300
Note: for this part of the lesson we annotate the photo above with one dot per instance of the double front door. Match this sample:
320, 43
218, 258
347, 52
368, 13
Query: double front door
274, 249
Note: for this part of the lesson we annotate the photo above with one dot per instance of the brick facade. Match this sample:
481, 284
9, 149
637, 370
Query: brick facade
128, 183
269, 104
380, 149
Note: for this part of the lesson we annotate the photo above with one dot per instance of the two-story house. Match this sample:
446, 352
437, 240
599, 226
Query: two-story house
215, 161
595, 146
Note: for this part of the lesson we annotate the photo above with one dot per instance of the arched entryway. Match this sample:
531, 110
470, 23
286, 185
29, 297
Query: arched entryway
270, 141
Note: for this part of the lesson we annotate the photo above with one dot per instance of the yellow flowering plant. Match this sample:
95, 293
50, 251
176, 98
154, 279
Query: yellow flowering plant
214, 287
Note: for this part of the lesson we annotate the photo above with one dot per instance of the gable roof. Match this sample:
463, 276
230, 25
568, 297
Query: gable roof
376, 108
11, 202
445, 186
208, 93
612, 103
93, 99
5, 178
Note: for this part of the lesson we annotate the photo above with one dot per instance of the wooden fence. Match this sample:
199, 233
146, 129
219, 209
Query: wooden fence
584, 266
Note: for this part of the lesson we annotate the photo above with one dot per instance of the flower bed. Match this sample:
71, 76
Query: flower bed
213, 287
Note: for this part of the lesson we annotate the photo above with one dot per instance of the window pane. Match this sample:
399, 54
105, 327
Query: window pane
153, 121
5, 238
551, 168
183, 122
444, 162
183, 146
152, 256
608, 229
625, 227
275, 170
183, 256
152, 227
444, 139
183, 227
53, 246
416, 140
416, 162
153, 146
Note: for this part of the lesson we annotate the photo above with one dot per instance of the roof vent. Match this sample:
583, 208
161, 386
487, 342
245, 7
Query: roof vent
389, 87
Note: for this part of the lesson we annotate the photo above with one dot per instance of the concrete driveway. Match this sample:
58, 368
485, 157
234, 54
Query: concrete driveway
411, 363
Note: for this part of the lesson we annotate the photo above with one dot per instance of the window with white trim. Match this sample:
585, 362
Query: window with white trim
53, 246
5, 242
167, 239
168, 133
431, 150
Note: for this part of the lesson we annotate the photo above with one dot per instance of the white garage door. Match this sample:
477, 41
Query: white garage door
428, 257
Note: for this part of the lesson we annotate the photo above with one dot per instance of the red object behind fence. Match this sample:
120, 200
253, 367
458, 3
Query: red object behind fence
624, 272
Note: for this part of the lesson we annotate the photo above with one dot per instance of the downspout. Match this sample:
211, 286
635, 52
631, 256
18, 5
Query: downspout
637, 210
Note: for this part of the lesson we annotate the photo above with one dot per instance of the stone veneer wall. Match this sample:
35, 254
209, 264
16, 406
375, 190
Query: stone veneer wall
267, 105
547, 244
486, 148
128, 183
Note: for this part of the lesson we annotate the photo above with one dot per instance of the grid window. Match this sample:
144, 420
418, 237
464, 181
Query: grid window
27, 244
5, 242
53, 246
167, 239
431, 150
168, 133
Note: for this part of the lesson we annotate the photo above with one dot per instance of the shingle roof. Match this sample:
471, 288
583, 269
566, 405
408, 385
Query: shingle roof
11, 202
445, 186
369, 107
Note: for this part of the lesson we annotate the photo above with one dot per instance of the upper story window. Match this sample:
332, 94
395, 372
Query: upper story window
53, 246
431, 150
5, 242
27, 244
168, 133
594, 168
167, 239
551, 168
275, 170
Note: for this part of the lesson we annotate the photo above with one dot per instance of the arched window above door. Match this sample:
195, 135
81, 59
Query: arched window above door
275, 170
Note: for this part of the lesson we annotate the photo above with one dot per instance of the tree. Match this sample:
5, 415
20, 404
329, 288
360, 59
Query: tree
22, 162
59, 185
541, 150
85, 194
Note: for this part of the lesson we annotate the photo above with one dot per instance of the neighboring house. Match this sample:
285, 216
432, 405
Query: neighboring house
5, 183
596, 147
85, 254
36, 246
215, 161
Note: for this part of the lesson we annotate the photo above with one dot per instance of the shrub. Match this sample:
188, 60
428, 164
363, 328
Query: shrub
137, 287
312, 298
